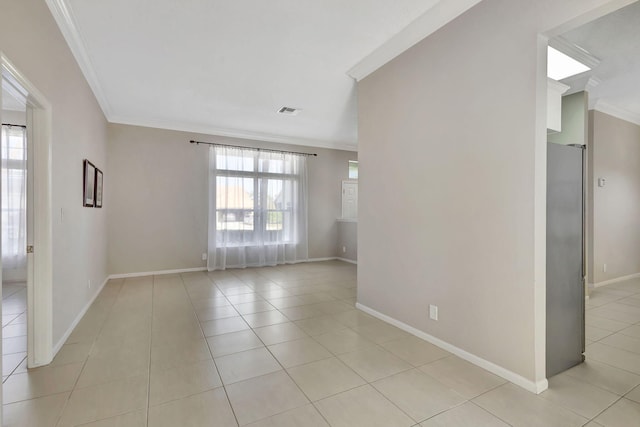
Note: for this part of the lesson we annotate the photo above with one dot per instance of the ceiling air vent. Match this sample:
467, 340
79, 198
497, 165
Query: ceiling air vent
289, 111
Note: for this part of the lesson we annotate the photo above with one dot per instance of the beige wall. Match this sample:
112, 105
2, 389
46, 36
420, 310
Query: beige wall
451, 197
615, 150
348, 240
30, 38
158, 198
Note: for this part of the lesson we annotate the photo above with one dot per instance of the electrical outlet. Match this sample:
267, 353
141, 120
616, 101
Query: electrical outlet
344, 249
433, 312
604, 268
204, 256
89, 284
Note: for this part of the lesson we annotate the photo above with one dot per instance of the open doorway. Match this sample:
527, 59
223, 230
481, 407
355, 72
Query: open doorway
13, 222
601, 110
26, 222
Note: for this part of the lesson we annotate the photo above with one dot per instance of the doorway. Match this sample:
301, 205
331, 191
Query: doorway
35, 297
606, 91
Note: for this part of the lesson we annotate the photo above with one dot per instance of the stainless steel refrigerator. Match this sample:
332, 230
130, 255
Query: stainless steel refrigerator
565, 257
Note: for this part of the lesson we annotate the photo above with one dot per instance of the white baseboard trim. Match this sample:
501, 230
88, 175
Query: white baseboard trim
330, 258
350, 261
79, 317
616, 280
157, 273
534, 387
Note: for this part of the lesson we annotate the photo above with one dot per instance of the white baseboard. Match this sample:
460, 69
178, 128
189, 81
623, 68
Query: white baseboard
616, 280
330, 258
350, 261
534, 387
75, 322
156, 273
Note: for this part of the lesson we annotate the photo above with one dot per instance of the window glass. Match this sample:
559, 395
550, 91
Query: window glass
353, 169
235, 162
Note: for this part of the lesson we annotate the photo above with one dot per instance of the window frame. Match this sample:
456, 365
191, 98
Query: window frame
260, 209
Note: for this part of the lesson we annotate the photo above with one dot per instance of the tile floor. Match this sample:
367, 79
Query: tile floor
285, 347
14, 327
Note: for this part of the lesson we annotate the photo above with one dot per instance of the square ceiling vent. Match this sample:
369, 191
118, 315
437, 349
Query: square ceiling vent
289, 111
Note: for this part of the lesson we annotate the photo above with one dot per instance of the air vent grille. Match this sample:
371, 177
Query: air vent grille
289, 111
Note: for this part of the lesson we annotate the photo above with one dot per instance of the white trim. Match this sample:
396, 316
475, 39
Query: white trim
66, 22
574, 51
331, 258
157, 273
191, 270
347, 219
350, 261
616, 280
534, 387
617, 112
556, 86
79, 317
234, 133
40, 271
440, 14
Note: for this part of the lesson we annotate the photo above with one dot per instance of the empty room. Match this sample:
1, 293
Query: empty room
292, 213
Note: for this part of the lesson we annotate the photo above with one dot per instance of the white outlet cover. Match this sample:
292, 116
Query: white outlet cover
433, 312
204, 256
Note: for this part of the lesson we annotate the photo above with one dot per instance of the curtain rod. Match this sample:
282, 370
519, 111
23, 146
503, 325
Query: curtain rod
18, 126
252, 148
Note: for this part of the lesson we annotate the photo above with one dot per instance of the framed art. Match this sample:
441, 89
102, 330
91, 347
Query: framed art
98, 190
88, 183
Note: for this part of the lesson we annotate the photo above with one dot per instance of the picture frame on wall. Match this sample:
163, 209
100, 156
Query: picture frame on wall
88, 183
98, 190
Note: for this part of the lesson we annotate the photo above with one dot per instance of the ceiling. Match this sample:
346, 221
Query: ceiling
226, 67
614, 82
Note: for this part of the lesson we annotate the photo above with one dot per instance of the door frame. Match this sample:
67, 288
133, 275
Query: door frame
39, 263
540, 180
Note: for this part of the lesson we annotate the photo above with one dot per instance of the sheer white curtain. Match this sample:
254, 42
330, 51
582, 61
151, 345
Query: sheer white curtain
13, 152
257, 208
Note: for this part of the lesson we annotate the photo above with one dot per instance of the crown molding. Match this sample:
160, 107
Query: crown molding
66, 22
440, 14
618, 112
574, 51
235, 133
592, 83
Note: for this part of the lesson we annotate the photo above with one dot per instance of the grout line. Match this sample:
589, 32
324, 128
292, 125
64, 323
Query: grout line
86, 360
153, 288
207, 341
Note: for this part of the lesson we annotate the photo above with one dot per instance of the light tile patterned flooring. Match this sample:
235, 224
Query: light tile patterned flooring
14, 327
285, 347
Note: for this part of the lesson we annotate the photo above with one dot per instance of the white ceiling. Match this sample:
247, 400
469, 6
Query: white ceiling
225, 67
614, 39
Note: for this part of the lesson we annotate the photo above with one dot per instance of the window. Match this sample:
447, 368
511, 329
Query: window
14, 186
560, 65
353, 169
253, 198
258, 208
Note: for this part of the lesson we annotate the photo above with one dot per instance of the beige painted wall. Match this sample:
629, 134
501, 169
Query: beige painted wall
348, 240
615, 151
451, 197
158, 203
30, 38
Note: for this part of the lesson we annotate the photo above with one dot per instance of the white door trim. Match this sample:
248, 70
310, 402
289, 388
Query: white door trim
40, 273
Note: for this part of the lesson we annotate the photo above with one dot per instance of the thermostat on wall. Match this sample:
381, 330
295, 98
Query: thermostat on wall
601, 182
